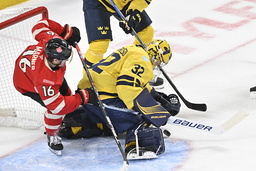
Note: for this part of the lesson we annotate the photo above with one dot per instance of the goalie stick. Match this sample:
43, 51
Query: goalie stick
109, 123
234, 120
194, 106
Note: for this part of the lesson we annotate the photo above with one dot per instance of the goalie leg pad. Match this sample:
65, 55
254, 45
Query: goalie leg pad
78, 125
121, 118
149, 139
150, 109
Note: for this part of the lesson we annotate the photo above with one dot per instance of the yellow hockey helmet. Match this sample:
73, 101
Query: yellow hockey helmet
159, 52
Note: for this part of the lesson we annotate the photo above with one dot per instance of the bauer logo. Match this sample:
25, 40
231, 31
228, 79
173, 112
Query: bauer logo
191, 124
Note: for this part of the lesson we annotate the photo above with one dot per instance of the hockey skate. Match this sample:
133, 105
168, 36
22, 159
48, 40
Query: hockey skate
253, 92
54, 142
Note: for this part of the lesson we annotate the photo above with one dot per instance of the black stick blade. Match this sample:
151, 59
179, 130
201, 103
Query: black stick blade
194, 106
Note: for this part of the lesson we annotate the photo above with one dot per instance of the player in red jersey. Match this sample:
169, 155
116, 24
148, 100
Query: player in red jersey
39, 73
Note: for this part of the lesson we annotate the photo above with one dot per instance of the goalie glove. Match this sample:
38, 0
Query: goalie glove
133, 19
71, 34
171, 102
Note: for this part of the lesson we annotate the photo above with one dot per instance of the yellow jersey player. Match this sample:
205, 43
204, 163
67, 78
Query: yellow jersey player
97, 15
131, 103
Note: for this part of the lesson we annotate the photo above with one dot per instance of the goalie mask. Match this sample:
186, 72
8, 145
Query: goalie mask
58, 48
159, 52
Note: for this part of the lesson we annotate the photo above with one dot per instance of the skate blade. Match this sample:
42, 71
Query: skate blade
144, 156
57, 152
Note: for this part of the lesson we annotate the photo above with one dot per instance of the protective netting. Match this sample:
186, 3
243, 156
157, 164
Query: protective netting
14, 39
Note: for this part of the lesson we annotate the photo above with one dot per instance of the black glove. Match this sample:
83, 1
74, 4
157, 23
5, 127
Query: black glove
125, 27
71, 34
93, 98
88, 95
170, 103
133, 19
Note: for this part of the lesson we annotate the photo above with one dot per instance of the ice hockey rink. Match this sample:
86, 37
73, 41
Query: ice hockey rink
213, 62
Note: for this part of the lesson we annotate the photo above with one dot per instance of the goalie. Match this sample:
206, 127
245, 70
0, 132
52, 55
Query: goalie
133, 106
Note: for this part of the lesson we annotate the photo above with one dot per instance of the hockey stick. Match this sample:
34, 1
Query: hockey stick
194, 106
109, 123
238, 117
125, 20
228, 124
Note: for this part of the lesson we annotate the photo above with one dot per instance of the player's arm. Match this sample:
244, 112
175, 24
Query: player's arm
47, 29
133, 13
59, 104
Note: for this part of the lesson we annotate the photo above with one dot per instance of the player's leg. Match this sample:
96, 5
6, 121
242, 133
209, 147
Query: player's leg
144, 142
122, 119
99, 34
52, 123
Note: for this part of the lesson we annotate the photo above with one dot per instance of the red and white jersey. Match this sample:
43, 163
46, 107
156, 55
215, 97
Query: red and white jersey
33, 74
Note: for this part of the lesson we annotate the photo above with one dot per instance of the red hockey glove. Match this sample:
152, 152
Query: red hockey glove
71, 34
88, 96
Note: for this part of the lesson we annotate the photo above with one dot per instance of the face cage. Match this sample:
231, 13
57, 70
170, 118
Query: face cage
63, 61
157, 62
68, 59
